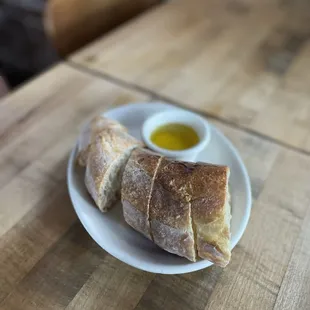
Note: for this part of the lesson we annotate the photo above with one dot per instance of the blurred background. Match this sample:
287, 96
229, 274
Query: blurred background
24, 48
34, 34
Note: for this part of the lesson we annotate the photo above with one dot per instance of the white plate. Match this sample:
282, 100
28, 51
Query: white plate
111, 232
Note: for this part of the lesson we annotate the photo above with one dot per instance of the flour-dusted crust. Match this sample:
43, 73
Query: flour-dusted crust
137, 185
89, 133
192, 198
170, 213
211, 213
105, 163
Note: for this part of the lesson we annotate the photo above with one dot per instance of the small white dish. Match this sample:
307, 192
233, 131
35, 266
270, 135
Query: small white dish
110, 230
199, 124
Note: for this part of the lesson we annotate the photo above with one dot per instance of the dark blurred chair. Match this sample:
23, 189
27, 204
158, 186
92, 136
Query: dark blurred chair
73, 23
4, 89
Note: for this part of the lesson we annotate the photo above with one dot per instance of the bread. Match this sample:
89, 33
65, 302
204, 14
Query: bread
90, 132
106, 159
170, 213
204, 188
211, 212
137, 184
183, 207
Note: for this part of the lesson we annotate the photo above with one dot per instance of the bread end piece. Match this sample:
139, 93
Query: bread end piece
89, 133
105, 164
192, 198
211, 217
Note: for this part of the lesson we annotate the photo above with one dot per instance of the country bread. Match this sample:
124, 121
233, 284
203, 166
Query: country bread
90, 132
107, 157
183, 207
137, 183
204, 188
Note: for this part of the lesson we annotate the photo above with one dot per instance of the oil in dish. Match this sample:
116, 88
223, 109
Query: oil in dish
175, 137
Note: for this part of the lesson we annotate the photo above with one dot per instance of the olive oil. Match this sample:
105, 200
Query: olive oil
175, 137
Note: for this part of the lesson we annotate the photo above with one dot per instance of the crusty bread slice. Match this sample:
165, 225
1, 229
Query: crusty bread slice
170, 211
137, 184
90, 132
205, 187
211, 212
107, 157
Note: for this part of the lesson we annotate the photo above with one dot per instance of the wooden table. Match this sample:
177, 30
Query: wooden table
246, 62
244, 66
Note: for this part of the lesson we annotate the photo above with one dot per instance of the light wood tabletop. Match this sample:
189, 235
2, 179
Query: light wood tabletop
47, 259
244, 61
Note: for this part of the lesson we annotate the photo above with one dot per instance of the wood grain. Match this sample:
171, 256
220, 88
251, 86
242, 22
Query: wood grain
113, 285
245, 61
56, 278
48, 261
35, 208
294, 292
63, 108
28, 241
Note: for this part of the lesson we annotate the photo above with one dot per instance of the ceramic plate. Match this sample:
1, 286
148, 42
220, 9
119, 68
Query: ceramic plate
111, 232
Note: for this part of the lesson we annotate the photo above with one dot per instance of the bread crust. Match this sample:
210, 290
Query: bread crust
89, 133
211, 213
103, 159
137, 183
170, 212
192, 197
